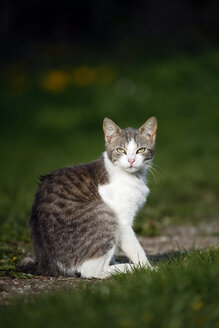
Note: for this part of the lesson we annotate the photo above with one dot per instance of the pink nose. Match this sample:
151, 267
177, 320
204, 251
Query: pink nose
131, 161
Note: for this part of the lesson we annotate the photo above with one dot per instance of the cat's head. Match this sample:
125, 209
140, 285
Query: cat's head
130, 149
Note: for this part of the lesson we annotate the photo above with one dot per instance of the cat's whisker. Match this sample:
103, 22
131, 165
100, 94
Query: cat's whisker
158, 169
150, 170
156, 174
153, 175
155, 171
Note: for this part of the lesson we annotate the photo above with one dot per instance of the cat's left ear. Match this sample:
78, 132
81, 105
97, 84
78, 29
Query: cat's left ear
149, 128
110, 129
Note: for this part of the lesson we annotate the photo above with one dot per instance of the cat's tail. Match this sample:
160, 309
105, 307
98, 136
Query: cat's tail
28, 265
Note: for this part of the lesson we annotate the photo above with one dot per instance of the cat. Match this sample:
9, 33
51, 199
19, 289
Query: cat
81, 214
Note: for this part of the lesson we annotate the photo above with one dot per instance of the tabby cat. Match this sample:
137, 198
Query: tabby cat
81, 214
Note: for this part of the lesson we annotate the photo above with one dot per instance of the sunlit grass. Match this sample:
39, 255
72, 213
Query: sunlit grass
182, 293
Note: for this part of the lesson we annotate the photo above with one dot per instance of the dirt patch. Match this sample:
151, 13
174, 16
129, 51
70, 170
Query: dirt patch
174, 239
11, 289
178, 238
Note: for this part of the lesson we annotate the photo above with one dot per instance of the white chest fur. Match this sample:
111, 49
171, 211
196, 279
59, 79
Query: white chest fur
125, 193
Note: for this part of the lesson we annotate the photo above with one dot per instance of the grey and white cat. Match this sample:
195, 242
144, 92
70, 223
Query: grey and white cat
81, 214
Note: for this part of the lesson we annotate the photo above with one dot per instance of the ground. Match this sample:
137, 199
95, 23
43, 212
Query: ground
174, 239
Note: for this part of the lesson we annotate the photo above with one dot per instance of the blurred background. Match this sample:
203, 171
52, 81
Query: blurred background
67, 65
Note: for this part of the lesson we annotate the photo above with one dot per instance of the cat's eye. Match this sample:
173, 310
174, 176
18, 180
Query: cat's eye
140, 150
121, 151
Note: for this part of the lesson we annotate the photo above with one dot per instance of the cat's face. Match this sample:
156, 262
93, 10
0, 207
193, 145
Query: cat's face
130, 149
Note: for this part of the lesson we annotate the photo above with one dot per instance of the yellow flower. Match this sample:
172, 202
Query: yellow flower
83, 76
55, 81
196, 306
14, 258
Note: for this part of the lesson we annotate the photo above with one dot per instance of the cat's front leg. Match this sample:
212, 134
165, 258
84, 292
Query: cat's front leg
132, 248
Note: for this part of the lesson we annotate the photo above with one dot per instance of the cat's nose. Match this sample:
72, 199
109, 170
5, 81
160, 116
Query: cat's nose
131, 161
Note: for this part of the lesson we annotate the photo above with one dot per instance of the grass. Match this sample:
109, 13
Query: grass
45, 127
182, 293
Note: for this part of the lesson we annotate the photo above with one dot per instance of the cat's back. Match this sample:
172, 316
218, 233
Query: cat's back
69, 186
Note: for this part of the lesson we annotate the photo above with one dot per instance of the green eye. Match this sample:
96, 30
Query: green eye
121, 151
140, 150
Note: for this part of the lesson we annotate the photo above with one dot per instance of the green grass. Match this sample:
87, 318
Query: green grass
42, 130
182, 293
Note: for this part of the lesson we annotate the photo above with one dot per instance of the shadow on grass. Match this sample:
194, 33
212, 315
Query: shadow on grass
155, 259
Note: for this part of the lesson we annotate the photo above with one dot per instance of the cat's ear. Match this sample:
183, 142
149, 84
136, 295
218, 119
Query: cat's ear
110, 129
149, 128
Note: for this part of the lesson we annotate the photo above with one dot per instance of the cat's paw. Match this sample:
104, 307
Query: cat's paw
154, 268
151, 267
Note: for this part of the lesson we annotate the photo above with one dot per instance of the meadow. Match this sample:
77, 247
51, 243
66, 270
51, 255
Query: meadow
51, 117
178, 295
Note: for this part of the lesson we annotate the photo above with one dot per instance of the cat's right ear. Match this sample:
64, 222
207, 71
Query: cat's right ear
149, 128
110, 129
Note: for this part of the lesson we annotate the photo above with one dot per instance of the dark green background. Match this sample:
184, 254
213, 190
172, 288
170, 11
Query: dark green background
44, 129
